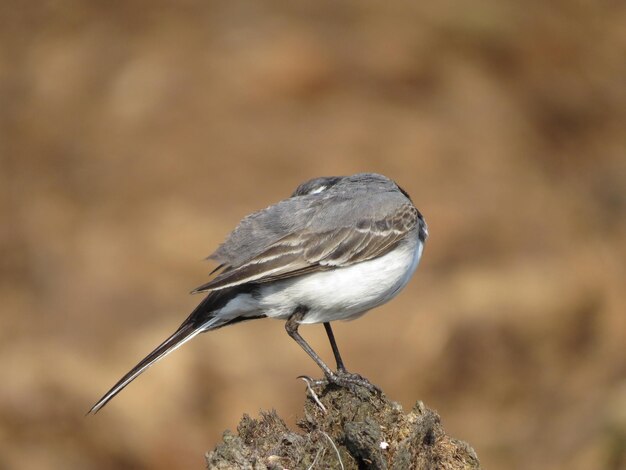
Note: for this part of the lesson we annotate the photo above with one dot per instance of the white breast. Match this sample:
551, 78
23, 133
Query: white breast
345, 293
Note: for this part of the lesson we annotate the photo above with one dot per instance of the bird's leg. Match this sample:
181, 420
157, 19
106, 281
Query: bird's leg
342, 374
333, 345
291, 326
341, 378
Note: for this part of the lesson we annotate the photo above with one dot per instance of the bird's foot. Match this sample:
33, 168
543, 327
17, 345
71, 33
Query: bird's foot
344, 379
352, 382
311, 382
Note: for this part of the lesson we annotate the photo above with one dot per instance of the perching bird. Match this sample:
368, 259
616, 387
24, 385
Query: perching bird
338, 247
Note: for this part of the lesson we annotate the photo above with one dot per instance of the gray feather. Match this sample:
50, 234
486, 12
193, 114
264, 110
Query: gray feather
311, 231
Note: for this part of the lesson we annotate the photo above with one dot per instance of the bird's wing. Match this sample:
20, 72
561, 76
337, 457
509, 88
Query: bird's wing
355, 238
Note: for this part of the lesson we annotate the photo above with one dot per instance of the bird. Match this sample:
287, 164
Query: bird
338, 247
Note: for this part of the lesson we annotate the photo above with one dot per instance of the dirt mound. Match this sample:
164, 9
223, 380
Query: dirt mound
344, 429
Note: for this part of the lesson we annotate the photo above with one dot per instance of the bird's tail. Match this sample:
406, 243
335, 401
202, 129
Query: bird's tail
204, 317
186, 332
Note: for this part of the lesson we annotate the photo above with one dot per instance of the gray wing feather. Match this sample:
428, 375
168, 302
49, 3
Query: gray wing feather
263, 229
362, 230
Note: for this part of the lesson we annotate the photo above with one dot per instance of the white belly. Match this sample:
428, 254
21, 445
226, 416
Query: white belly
345, 293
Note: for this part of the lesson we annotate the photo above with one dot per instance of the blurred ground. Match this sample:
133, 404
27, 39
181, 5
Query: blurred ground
134, 135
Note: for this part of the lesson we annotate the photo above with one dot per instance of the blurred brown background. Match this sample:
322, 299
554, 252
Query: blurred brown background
134, 136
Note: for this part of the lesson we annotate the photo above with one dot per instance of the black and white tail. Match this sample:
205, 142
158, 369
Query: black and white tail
186, 332
205, 317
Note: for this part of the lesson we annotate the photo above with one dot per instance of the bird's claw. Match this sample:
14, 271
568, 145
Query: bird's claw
311, 382
353, 382
343, 379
